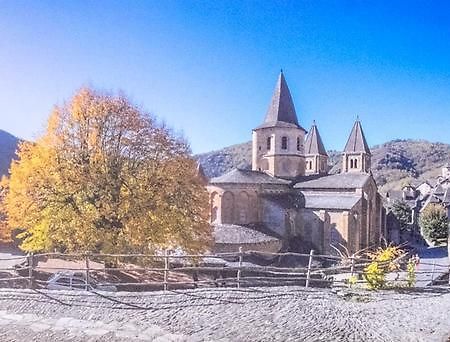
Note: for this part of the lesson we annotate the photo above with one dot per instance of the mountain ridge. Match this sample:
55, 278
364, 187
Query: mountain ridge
393, 163
8, 147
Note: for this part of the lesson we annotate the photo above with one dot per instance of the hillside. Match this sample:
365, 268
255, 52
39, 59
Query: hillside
393, 163
8, 146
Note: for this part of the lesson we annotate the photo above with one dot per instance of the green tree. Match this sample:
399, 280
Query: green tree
106, 176
434, 222
402, 212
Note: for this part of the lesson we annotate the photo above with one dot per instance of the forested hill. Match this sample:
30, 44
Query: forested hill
8, 146
393, 163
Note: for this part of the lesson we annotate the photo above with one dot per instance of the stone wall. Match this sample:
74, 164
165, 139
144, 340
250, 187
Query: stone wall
275, 217
234, 205
272, 246
312, 227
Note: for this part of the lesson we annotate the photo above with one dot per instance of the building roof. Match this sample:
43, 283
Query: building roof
395, 195
236, 234
357, 141
313, 143
338, 181
240, 176
446, 198
281, 112
439, 190
330, 200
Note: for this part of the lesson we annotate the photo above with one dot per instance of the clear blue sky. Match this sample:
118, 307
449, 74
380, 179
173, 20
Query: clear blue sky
208, 68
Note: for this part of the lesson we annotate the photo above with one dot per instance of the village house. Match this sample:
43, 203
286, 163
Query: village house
288, 200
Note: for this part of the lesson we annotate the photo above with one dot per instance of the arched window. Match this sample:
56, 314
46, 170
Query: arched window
227, 207
351, 163
284, 143
299, 144
269, 143
215, 202
356, 163
243, 207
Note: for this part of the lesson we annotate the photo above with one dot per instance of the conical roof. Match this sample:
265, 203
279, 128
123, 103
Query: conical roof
357, 141
200, 173
313, 143
281, 111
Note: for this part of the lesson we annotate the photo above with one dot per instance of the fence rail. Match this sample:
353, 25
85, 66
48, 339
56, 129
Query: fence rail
236, 272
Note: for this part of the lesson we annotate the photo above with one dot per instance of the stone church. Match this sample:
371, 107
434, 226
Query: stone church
288, 201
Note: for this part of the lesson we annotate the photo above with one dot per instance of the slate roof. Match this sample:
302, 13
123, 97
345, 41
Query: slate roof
236, 234
446, 198
357, 141
240, 176
395, 195
281, 111
439, 190
313, 143
338, 181
432, 182
330, 200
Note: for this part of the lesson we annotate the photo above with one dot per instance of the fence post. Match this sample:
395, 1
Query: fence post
87, 270
239, 268
432, 272
449, 275
30, 270
166, 270
308, 273
352, 267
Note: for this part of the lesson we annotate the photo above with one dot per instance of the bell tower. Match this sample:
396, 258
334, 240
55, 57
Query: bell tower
316, 157
278, 143
356, 156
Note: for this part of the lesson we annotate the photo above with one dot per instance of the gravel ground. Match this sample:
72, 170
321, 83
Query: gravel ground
261, 314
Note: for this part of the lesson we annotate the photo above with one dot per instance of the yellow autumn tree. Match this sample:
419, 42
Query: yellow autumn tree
106, 176
5, 234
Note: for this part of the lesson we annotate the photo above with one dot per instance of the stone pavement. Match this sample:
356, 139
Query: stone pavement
71, 328
429, 256
224, 314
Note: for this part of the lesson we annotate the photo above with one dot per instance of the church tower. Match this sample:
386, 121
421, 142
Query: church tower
278, 144
356, 156
316, 157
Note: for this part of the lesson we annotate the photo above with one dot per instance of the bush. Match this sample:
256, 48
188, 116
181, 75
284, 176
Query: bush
434, 223
383, 262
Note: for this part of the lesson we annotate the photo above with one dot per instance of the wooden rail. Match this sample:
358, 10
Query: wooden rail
237, 274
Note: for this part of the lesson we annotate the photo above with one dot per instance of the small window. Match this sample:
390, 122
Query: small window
356, 163
284, 143
299, 144
351, 163
269, 143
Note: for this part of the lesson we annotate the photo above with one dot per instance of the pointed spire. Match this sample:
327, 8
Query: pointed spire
314, 144
281, 107
200, 174
357, 141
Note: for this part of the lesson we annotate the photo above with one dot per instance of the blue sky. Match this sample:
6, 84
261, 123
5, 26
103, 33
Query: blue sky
208, 68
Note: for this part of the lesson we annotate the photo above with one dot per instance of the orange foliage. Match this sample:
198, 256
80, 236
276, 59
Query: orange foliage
107, 177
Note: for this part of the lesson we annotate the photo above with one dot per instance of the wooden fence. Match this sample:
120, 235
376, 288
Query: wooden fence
319, 270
